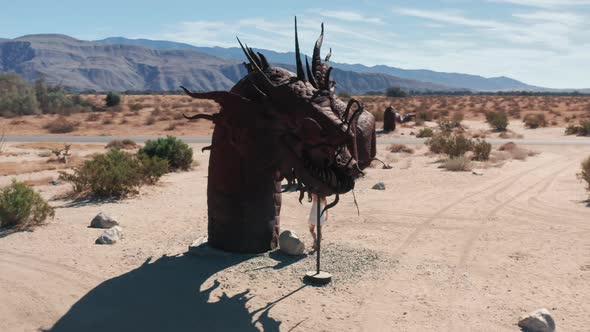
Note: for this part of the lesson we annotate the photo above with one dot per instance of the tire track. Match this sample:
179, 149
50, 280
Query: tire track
498, 187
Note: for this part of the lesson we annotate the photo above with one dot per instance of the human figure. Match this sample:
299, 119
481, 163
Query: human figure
313, 216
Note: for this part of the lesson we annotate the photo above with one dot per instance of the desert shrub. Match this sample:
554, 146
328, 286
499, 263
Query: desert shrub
447, 126
457, 118
93, 117
425, 132
135, 107
114, 174
395, 92
112, 99
498, 120
481, 150
584, 174
451, 145
150, 121
582, 130
437, 143
423, 116
61, 126
457, 164
535, 120
22, 206
457, 145
396, 148
121, 144
152, 168
16, 96
178, 154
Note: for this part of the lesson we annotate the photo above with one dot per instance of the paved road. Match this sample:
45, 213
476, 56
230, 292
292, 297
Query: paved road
207, 139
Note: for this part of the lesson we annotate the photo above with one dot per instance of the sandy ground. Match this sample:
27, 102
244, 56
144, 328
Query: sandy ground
435, 251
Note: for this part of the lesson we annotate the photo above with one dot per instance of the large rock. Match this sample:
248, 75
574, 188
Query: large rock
110, 236
537, 321
103, 221
290, 244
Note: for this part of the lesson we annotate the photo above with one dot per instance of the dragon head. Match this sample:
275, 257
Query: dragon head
309, 136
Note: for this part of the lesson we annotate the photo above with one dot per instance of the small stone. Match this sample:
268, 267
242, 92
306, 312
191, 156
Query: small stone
290, 244
110, 236
379, 186
103, 221
53, 182
537, 321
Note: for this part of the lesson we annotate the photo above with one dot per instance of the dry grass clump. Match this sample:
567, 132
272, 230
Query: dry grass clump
584, 174
150, 121
457, 164
517, 152
535, 120
125, 144
398, 148
425, 132
61, 125
92, 117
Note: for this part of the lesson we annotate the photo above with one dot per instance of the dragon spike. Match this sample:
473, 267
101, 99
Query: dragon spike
328, 56
327, 79
300, 73
310, 75
255, 65
263, 61
316, 60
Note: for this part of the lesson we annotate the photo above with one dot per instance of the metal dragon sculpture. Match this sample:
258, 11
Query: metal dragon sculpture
275, 125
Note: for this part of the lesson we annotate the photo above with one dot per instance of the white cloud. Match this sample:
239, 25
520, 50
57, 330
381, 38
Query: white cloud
546, 47
546, 3
351, 16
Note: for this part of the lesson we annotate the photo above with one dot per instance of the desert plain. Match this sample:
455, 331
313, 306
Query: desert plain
435, 251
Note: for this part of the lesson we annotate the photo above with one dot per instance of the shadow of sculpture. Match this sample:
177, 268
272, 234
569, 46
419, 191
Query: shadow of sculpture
165, 295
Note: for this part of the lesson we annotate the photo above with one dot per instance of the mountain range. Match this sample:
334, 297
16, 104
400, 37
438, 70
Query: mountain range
452, 80
120, 64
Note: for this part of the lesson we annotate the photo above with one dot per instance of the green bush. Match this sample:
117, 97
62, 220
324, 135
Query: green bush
584, 175
178, 154
17, 97
112, 99
457, 145
115, 174
498, 120
451, 145
425, 132
395, 92
582, 130
22, 206
152, 169
535, 120
481, 150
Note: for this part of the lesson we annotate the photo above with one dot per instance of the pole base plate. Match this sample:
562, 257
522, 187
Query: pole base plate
313, 277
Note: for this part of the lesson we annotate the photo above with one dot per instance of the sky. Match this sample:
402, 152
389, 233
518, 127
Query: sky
540, 42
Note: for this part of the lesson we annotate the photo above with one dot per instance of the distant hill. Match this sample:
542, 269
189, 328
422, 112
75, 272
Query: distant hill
453, 80
150, 65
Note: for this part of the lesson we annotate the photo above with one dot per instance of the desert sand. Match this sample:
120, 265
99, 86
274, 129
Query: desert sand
435, 251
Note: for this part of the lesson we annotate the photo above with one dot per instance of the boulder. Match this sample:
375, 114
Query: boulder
110, 236
290, 244
103, 221
379, 186
537, 321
